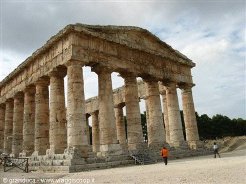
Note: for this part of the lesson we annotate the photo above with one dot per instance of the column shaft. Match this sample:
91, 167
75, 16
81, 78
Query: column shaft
76, 120
155, 126
174, 118
41, 117
106, 109
88, 129
165, 115
2, 119
147, 117
191, 130
29, 121
95, 132
8, 128
107, 124
133, 116
120, 125
58, 132
18, 124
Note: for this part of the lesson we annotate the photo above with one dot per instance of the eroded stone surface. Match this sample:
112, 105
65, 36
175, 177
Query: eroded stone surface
8, 127
120, 124
29, 121
57, 129
175, 125
134, 128
155, 127
18, 124
107, 125
76, 119
50, 130
2, 120
41, 142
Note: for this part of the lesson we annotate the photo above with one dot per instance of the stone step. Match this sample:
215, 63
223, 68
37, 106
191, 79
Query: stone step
52, 169
77, 168
94, 166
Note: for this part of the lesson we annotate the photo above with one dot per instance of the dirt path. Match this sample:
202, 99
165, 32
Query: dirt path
231, 168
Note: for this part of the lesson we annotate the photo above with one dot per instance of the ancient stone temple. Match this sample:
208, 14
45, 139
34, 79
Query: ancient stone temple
36, 122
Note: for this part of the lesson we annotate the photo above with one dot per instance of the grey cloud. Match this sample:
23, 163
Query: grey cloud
211, 33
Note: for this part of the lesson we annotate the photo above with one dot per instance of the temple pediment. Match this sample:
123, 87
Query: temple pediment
134, 37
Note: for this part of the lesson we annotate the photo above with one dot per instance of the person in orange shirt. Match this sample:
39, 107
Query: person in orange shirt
164, 154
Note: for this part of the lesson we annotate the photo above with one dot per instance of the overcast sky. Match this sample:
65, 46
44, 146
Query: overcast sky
211, 33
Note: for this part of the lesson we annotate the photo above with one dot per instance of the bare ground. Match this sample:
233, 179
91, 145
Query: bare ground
231, 168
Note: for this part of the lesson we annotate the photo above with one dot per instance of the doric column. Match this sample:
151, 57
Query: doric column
175, 125
147, 116
29, 121
2, 119
165, 111
8, 127
76, 120
18, 124
146, 110
58, 131
192, 136
107, 125
95, 132
155, 126
41, 142
88, 129
133, 116
120, 124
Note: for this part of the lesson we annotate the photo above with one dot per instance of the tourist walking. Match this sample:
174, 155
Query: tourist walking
164, 154
216, 150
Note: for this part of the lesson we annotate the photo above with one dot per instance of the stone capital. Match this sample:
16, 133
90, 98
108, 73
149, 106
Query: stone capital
101, 69
128, 75
74, 62
60, 71
43, 81
185, 86
30, 89
150, 79
120, 106
2, 106
168, 83
162, 88
19, 95
10, 100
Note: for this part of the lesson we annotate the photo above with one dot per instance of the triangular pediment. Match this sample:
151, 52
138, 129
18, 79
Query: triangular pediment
134, 37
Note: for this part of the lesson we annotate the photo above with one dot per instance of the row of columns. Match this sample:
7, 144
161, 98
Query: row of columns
172, 118
35, 122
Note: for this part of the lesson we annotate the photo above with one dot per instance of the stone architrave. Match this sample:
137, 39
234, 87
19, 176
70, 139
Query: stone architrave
8, 127
76, 118
41, 142
191, 130
95, 132
174, 118
58, 131
29, 121
18, 124
107, 125
2, 119
133, 116
120, 124
155, 125
165, 111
